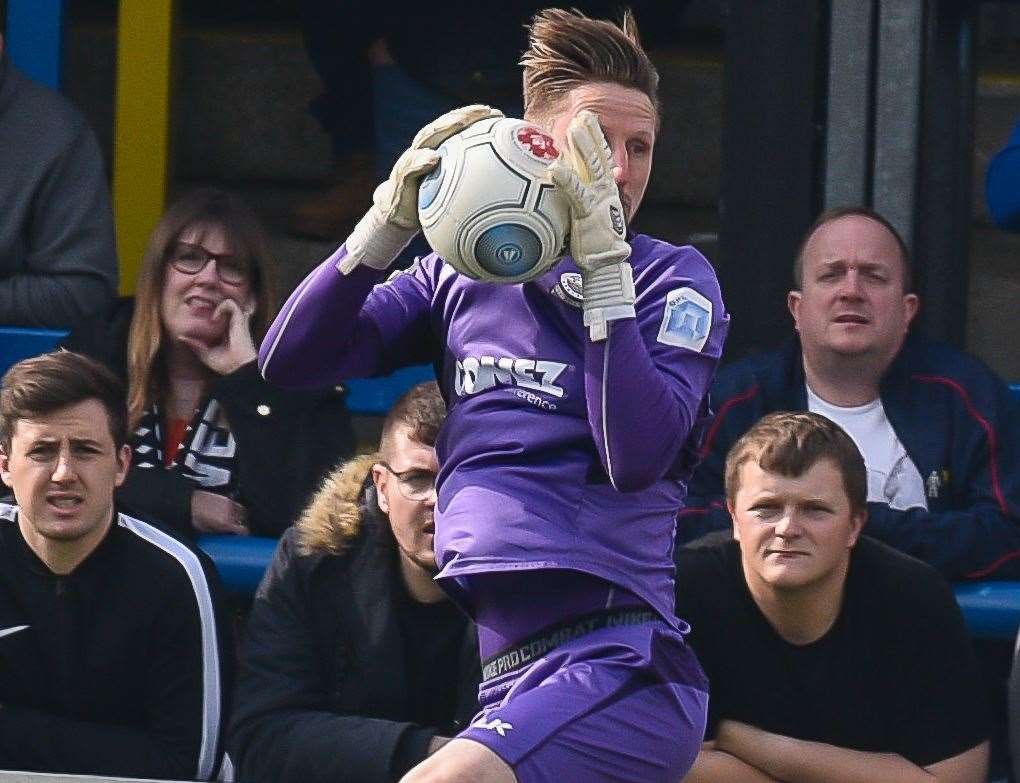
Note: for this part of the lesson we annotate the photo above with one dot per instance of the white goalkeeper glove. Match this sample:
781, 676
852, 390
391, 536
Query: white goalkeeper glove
392, 220
584, 173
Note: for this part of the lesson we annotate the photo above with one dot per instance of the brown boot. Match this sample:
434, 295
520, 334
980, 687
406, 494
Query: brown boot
332, 213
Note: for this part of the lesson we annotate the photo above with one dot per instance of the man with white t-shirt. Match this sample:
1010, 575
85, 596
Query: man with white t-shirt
938, 431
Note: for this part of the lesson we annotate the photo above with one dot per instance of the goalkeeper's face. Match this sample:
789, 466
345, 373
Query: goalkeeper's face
628, 121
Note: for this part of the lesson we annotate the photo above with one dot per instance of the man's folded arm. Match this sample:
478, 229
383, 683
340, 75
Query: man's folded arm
788, 758
712, 766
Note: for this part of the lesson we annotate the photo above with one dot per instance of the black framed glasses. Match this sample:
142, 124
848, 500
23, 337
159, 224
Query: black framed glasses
191, 259
415, 483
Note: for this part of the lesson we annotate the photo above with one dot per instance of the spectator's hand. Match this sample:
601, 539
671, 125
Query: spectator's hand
393, 218
237, 347
212, 513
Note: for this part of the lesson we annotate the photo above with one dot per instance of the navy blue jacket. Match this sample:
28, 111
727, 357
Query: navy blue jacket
953, 416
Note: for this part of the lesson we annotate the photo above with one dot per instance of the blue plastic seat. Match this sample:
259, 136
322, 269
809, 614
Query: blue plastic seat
240, 560
375, 396
991, 609
17, 343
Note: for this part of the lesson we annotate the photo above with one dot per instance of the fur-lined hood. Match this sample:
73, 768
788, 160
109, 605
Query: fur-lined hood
333, 518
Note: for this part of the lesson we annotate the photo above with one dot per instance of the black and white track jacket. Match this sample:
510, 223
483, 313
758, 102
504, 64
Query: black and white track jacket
116, 668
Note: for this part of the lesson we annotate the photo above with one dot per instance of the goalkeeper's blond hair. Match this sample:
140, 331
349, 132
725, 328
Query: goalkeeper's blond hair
567, 50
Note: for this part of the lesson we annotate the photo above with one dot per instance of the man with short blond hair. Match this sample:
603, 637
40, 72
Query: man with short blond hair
831, 656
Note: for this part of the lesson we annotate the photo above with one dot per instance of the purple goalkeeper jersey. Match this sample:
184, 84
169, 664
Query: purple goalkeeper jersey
557, 452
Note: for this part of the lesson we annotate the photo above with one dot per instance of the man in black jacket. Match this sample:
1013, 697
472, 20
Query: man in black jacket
356, 666
110, 652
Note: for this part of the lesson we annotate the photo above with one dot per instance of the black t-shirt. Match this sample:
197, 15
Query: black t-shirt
895, 673
433, 643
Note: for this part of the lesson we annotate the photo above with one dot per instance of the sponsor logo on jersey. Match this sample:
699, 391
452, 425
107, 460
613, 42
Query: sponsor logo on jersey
478, 373
533, 399
499, 726
12, 630
686, 319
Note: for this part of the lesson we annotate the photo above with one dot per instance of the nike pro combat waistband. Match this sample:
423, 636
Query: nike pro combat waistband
534, 647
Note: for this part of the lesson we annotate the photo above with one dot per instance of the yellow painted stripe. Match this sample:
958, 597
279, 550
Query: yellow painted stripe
141, 159
999, 79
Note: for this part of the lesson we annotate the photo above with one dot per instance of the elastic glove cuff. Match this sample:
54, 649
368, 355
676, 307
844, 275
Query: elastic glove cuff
608, 296
374, 243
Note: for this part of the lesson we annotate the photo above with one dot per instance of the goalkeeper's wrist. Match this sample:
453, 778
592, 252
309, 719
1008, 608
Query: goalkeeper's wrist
374, 242
608, 296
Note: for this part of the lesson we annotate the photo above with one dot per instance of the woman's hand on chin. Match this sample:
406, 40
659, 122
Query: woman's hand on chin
236, 349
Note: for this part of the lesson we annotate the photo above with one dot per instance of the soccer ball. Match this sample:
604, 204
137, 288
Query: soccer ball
489, 209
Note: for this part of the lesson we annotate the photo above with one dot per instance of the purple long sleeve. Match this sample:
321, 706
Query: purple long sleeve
642, 413
320, 336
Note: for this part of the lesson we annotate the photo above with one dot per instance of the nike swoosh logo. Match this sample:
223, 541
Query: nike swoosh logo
13, 629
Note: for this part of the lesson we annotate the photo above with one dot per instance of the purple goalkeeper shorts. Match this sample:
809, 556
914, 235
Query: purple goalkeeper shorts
625, 702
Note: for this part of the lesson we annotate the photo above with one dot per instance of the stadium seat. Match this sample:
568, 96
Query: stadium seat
375, 396
1013, 712
35, 35
991, 609
17, 343
240, 560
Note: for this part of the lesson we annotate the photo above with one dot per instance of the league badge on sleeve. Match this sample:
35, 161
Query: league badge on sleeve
686, 319
570, 289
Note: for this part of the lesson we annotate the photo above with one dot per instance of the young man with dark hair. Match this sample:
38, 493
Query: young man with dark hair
577, 402
111, 657
938, 431
356, 666
831, 656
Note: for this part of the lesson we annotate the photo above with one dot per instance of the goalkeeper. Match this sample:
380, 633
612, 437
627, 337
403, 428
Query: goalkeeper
577, 401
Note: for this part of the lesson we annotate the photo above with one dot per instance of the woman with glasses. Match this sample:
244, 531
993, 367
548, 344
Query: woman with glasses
216, 448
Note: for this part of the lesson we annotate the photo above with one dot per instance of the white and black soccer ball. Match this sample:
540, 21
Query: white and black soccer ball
489, 209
